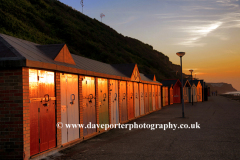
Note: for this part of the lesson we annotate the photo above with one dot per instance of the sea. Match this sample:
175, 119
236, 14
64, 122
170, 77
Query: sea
236, 93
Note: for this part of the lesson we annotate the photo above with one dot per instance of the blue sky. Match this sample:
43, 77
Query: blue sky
207, 30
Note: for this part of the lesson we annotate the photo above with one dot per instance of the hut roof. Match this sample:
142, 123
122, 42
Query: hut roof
17, 49
15, 52
126, 69
146, 78
196, 82
170, 82
186, 83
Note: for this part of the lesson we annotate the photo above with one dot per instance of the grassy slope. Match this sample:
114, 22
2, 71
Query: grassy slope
50, 21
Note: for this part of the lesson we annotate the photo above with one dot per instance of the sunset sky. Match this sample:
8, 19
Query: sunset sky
207, 30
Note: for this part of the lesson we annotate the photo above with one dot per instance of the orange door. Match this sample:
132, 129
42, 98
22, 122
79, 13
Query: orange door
156, 96
150, 97
159, 98
130, 101
146, 103
141, 94
136, 99
123, 101
89, 107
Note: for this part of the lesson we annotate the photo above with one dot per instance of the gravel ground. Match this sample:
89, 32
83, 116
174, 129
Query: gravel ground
218, 136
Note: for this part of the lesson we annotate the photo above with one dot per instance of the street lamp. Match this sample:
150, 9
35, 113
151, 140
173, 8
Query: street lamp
191, 70
181, 54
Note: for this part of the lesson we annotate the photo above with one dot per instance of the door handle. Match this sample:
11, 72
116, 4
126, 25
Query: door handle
72, 97
46, 97
104, 96
90, 97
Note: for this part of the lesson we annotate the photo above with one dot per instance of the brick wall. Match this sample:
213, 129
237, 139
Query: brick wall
26, 113
11, 114
58, 107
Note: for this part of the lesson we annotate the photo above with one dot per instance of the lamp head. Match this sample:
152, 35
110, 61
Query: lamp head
180, 54
191, 70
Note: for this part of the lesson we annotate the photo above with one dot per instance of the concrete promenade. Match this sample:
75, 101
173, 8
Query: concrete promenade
218, 136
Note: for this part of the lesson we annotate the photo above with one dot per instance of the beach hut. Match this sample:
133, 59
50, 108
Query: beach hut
103, 101
169, 93
150, 97
153, 98
159, 97
193, 93
165, 96
141, 94
136, 99
123, 101
176, 89
69, 106
199, 90
146, 99
186, 90
156, 97
113, 98
41, 108
89, 105
203, 87
130, 100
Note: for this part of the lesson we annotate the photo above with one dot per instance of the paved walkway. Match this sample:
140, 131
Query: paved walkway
218, 138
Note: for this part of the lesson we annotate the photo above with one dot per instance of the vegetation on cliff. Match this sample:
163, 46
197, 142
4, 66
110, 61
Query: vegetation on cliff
50, 21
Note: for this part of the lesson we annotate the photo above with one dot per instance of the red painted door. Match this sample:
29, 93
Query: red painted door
176, 94
42, 111
34, 105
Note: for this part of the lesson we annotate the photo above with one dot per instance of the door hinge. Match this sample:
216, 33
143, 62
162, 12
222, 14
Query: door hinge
38, 109
39, 140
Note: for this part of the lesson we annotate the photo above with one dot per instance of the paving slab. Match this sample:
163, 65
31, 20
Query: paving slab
217, 138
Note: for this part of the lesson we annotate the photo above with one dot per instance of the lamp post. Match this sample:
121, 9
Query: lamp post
181, 54
191, 70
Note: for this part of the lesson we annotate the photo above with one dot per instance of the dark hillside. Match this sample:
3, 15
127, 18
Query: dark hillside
50, 21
